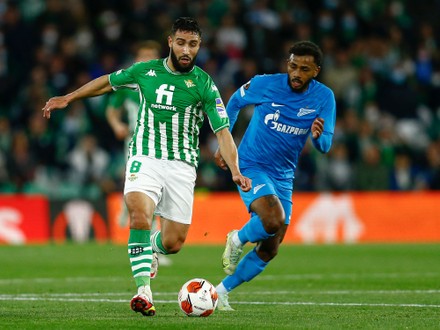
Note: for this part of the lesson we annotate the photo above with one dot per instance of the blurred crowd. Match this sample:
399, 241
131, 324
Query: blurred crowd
382, 60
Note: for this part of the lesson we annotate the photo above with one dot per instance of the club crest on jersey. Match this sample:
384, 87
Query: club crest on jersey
305, 111
132, 177
271, 120
189, 83
220, 108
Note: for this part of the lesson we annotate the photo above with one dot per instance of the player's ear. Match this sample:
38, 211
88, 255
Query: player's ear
318, 69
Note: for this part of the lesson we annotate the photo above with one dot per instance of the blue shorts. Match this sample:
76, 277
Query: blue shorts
263, 185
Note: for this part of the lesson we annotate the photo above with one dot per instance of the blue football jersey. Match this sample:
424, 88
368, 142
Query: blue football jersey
281, 122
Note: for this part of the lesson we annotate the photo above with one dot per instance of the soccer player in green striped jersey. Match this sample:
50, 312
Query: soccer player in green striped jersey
126, 101
164, 151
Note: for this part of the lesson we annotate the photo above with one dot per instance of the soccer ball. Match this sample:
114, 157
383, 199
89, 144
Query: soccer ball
197, 297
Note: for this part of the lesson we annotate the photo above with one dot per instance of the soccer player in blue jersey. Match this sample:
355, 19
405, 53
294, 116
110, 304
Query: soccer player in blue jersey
288, 108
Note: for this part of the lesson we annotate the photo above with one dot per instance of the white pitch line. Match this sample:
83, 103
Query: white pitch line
291, 277
293, 303
338, 292
344, 276
335, 304
84, 294
260, 293
8, 281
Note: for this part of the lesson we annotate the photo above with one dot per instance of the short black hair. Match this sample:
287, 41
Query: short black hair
186, 24
302, 48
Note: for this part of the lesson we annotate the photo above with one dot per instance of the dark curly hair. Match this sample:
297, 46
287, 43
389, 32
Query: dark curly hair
186, 24
302, 48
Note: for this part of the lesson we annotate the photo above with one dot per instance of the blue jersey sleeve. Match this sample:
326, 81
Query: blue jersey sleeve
328, 113
249, 93
324, 142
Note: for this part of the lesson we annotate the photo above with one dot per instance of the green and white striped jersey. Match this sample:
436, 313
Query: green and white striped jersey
171, 109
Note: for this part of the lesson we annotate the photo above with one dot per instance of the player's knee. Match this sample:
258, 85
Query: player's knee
267, 254
274, 222
139, 219
172, 247
272, 214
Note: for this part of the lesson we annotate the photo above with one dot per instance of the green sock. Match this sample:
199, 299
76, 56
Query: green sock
156, 243
140, 254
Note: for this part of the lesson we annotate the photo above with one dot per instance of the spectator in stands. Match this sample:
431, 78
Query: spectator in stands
432, 171
337, 174
404, 175
21, 164
369, 173
88, 166
393, 56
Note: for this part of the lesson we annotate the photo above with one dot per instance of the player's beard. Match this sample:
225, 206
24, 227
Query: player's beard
303, 85
177, 64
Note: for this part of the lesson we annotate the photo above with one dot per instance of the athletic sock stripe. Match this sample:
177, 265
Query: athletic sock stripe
142, 257
139, 244
140, 266
143, 261
146, 273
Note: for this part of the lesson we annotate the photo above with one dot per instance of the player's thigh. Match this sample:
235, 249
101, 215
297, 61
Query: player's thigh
142, 189
270, 198
267, 193
268, 206
140, 208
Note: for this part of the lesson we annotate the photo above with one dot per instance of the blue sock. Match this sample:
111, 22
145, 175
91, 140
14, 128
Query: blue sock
253, 231
248, 267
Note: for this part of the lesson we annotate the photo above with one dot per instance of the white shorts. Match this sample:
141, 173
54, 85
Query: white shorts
169, 183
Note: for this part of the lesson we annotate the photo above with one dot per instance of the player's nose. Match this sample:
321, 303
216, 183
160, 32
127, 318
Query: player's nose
185, 50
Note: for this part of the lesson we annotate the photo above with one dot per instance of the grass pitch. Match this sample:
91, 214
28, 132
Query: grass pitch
306, 287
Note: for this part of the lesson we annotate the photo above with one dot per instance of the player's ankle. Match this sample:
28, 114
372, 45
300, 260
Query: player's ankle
236, 240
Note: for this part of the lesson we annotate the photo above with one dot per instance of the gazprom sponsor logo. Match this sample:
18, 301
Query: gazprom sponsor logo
271, 120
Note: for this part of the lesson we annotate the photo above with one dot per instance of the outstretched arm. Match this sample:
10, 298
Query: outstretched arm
98, 86
229, 155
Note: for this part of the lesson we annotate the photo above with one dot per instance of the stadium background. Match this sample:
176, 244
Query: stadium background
382, 60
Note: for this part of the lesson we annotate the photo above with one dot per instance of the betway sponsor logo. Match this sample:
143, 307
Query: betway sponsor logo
272, 121
164, 107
